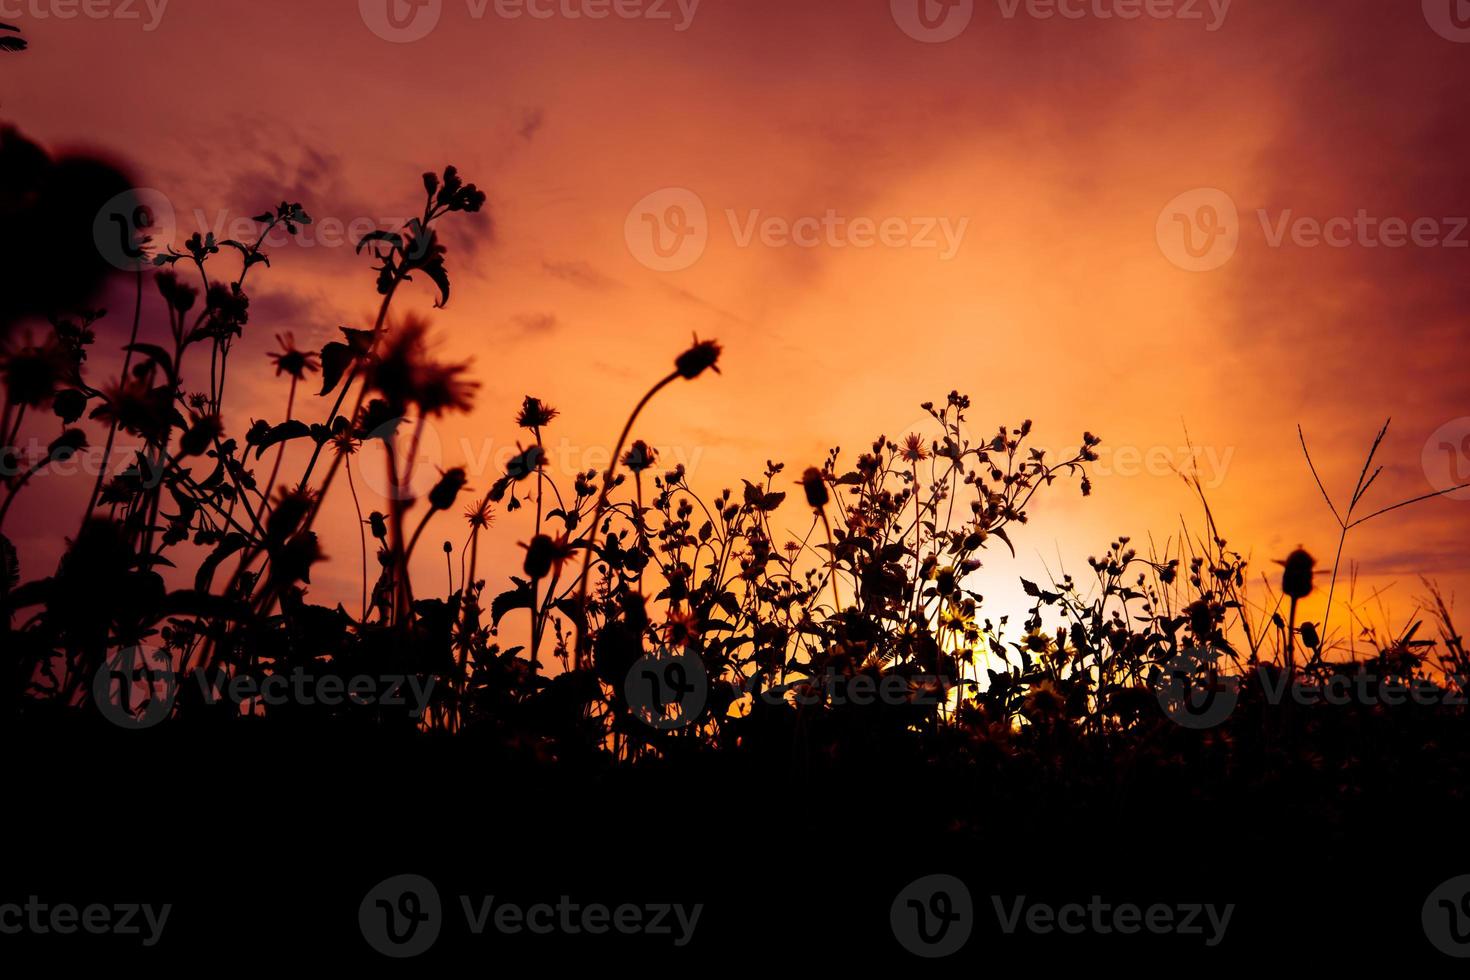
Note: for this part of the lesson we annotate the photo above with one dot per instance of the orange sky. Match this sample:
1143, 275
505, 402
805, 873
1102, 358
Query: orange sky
1049, 148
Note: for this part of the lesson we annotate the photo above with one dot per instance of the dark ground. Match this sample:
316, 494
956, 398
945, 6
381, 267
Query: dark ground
267, 844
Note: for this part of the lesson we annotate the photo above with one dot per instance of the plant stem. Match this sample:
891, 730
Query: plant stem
123, 380
270, 483
597, 514
362, 538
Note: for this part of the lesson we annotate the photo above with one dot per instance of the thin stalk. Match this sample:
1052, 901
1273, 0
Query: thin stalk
602, 506
270, 483
362, 538
112, 428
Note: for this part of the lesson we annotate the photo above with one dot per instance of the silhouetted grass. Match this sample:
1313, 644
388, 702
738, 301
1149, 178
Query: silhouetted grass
197, 543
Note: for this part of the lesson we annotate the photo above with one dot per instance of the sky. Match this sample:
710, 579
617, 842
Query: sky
1173, 224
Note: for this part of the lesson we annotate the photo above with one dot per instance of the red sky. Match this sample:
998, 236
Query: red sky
1050, 148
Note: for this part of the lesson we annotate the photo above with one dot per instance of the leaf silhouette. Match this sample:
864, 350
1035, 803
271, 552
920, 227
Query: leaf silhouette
230, 544
521, 597
9, 565
155, 354
388, 237
292, 429
336, 358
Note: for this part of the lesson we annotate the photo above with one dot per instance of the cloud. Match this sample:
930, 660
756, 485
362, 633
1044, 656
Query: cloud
531, 122
686, 296
536, 323
580, 274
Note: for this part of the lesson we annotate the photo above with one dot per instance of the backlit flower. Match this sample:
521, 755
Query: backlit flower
913, 449
704, 355
535, 414
297, 363
640, 456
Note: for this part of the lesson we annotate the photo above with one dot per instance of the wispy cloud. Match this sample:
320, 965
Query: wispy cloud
580, 274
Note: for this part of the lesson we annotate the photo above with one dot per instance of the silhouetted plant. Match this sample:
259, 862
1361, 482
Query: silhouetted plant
184, 546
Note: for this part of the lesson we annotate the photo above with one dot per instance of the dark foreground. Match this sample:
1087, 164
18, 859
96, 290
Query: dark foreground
267, 848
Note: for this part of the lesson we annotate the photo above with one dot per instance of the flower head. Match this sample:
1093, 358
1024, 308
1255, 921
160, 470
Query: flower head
444, 493
228, 310
480, 515
913, 449
1039, 642
345, 442
297, 363
816, 488
640, 456
535, 414
1296, 575
705, 354
138, 409
681, 628
546, 554
179, 295
453, 194
32, 373
405, 374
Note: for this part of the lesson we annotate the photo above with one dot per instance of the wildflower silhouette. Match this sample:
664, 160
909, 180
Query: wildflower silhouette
202, 539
